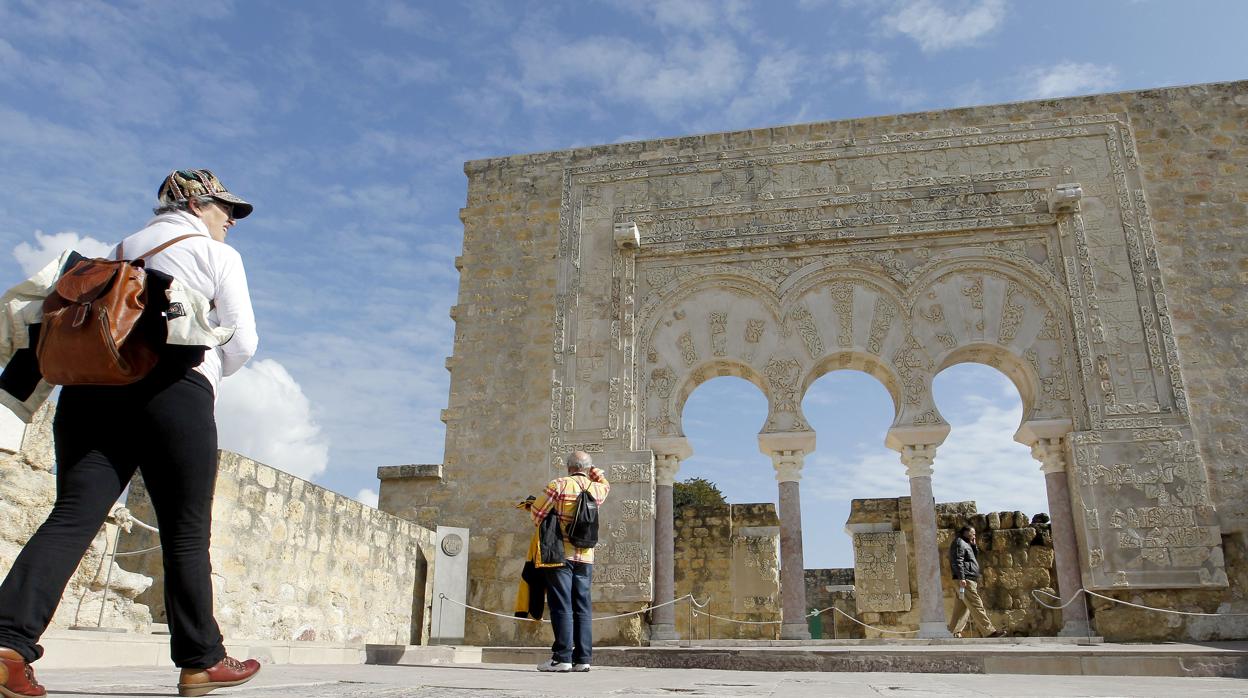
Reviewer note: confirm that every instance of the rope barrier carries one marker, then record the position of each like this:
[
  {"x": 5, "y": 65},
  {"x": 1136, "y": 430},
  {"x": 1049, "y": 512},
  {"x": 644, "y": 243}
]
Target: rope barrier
[
  {"x": 1088, "y": 592},
  {"x": 878, "y": 630},
  {"x": 138, "y": 552},
  {"x": 693, "y": 601}
]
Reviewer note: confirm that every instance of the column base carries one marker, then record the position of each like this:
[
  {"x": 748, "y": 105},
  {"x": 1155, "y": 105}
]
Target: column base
[
  {"x": 794, "y": 631},
  {"x": 663, "y": 631},
  {"x": 933, "y": 630},
  {"x": 1076, "y": 628}
]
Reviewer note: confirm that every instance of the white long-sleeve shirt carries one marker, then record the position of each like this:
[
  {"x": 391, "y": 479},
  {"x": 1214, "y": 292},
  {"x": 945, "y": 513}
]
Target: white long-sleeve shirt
[{"x": 214, "y": 269}]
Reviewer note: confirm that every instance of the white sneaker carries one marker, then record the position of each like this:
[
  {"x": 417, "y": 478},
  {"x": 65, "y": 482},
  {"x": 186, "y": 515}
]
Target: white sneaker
[
  {"x": 552, "y": 665},
  {"x": 580, "y": 667}
]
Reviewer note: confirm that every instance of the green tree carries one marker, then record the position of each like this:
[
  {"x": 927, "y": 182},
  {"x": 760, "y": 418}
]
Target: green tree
[{"x": 696, "y": 491}]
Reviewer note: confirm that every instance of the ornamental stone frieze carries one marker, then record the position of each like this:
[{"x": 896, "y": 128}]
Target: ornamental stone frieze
[{"x": 1029, "y": 250}]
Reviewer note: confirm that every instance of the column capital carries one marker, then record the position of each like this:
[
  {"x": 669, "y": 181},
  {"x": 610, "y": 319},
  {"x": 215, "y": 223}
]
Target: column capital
[
  {"x": 1047, "y": 439},
  {"x": 1031, "y": 431},
  {"x": 669, "y": 451},
  {"x": 788, "y": 465},
  {"x": 671, "y": 446},
  {"x": 787, "y": 451},
  {"x": 666, "y": 466},
  {"x": 929, "y": 435},
  {"x": 918, "y": 459},
  {"x": 1051, "y": 453}
]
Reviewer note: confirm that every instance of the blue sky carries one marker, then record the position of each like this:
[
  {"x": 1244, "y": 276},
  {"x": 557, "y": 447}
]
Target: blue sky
[{"x": 347, "y": 124}]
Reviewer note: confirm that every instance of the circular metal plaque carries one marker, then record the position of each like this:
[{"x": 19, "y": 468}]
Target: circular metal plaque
[{"x": 453, "y": 544}]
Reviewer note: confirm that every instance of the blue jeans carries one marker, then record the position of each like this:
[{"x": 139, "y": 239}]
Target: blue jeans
[{"x": 571, "y": 612}]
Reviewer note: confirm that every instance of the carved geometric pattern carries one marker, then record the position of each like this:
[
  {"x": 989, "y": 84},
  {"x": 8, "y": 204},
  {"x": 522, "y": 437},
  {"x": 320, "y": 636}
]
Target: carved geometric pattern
[
  {"x": 881, "y": 321},
  {"x": 810, "y": 334}
]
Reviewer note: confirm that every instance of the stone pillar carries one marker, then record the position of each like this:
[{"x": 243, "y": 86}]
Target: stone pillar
[
  {"x": 1047, "y": 439},
  {"x": 668, "y": 453},
  {"x": 787, "y": 452},
  {"x": 918, "y": 450}
]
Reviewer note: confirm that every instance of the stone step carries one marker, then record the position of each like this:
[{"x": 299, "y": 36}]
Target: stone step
[
  {"x": 70, "y": 649},
  {"x": 418, "y": 655},
  {"x": 967, "y": 657},
  {"x": 890, "y": 642}
]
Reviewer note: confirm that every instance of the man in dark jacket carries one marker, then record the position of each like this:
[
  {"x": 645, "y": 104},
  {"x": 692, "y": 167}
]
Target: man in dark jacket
[{"x": 964, "y": 565}]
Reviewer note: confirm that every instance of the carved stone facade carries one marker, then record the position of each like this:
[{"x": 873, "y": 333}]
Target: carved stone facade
[{"x": 1080, "y": 246}]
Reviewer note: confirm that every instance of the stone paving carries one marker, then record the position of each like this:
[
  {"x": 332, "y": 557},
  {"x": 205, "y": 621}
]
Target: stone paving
[{"x": 513, "y": 681}]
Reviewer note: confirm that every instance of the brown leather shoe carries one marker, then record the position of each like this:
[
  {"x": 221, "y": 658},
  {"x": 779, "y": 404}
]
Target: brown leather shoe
[
  {"x": 17, "y": 678},
  {"x": 225, "y": 673}
]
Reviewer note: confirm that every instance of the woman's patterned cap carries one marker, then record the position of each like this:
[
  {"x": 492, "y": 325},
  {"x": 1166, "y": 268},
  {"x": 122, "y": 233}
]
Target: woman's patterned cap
[{"x": 182, "y": 185}]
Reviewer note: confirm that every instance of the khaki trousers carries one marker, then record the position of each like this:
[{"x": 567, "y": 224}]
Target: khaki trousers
[{"x": 971, "y": 607}]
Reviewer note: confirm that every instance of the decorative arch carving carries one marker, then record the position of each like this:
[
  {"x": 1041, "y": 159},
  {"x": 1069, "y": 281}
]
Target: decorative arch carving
[{"x": 1035, "y": 253}]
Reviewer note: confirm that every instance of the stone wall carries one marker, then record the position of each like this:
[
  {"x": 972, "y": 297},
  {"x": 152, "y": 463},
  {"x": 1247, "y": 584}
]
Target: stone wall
[
  {"x": 294, "y": 561},
  {"x": 832, "y": 589},
  {"x": 728, "y": 556},
  {"x": 545, "y": 286},
  {"x": 1016, "y": 558},
  {"x": 27, "y": 492}
]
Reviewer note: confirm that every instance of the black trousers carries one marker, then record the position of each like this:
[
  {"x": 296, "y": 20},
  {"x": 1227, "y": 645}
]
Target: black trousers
[{"x": 164, "y": 427}]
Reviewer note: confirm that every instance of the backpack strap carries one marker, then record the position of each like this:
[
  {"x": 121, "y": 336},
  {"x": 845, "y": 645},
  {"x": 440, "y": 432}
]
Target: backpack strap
[{"x": 160, "y": 248}]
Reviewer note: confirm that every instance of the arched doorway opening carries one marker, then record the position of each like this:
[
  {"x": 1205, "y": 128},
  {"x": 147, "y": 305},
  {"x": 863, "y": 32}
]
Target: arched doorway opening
[
  {"x": 726, "y": 550},
  {"x": 987, "y": 480}
]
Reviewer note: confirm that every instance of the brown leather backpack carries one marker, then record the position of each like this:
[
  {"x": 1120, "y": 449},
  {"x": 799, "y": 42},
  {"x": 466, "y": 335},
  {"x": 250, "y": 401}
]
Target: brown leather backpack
[{"x": 90, "y": 333}]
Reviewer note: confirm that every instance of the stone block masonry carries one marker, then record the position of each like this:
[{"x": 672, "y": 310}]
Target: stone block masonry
[
  {"x": 832, "y": 588},
  {"x": 1016, "y": 558},
  {"x": 1090, "y": 247},
  {"x": 27, "y": 491},
  {"x": 729, "y": 554},
  {"x": 294, "y": 561}
]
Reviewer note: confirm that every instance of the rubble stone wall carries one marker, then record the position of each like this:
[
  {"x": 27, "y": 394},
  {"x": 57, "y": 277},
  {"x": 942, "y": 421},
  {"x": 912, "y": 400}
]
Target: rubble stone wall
[
  {"x": 833, "y": 589},
  {"x": 27, "y": 492},
  {"x": 1016, "y": 558},
  {"x": 729, "y": 554},
  {"x": 294, "y": 561}
]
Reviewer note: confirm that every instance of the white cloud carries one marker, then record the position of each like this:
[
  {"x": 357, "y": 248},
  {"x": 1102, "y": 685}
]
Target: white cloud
[
  {"x": 402, "y": 15},
  {"x": 47, "y": 248},
  {"x": 876, "y": 76},
  {"x": 691, "y": 15},
  {"x": 685, "y": 75},
  {"x": 979, "y": 461},
  {"x": 1068, "y": 78},
  {"x": 682, "y": 13},
  {"x": 403, "y": 69},
  {"x": 775, "y": 77},
  {"x": 263, "y": 414},
  {"x": 936, "y": 26},
  {"x": 367, "y": 497}
]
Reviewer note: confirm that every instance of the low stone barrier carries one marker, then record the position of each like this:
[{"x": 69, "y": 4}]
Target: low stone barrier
[{"x": 295, "y": 561}]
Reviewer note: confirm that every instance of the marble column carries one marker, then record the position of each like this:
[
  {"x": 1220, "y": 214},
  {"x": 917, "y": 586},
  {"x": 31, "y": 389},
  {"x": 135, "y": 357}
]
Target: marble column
[
  {"x": 668, "y": 453},
  {"x": 1047, "y": 439},
  {"x": 918, "y": 451},
  {"x": 788, "y": 452}
]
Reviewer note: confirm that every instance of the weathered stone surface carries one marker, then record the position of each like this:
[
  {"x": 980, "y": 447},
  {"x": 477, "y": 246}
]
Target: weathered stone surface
[
  {"x": 27, "y": 492},
  {"x": 729, "y": 554},
  {"x": 832, "y": 589},
  {"x": 292, "y": 560},
  {"x": 1014, "y": 563},
  {"x": 1079, "y": 245}
]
